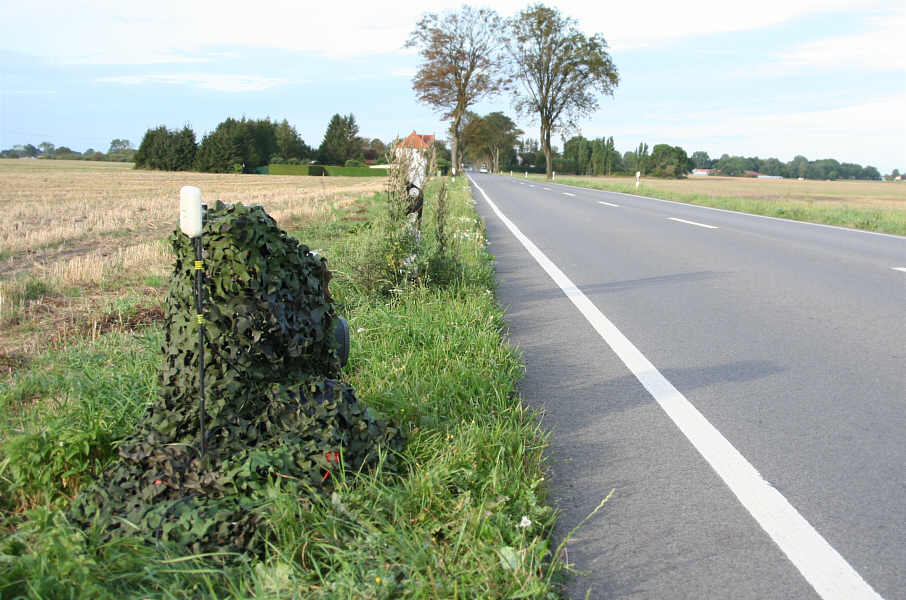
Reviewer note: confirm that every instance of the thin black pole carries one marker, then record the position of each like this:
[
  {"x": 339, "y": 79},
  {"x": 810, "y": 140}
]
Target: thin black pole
[{"x": 199, "y": 275}]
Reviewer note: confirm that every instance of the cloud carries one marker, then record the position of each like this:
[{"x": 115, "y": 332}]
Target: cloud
[
  {"x": 115, "y": 32},
  {"x": 867, "y": 133},
  {"x": 205, "y": 81},
  {"x": 883, "y": 48}
]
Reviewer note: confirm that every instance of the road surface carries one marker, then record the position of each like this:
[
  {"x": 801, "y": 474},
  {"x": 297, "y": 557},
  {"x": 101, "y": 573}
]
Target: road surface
[{"x": 739, "y": 381}]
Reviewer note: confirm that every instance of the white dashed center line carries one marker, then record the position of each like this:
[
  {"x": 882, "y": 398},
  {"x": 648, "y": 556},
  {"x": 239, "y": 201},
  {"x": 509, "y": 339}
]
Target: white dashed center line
[
  {"x": 693, "y": 223},
  {"x": 903, "y": 269},
  {"x": 568, "y": 194},
  {"x": 608, "y": 204}
]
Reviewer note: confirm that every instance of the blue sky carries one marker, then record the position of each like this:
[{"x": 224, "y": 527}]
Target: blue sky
[{"x": 822, "y": 78}]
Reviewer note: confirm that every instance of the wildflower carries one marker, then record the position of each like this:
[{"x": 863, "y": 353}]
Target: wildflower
[
  {"x": 360, "y": 330},
  {"x": 377, "y": 580},
  {"x": 525, "y": 523}
]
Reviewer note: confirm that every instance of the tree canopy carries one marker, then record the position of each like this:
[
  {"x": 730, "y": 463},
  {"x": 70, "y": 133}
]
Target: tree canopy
[
  {"x": 489, "y": 137},
  {"x": 560, "y": 71},
  {"x": 461, "y": 63}
]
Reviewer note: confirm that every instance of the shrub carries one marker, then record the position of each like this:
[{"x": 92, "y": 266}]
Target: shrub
[{"x": 353, "y": 162}]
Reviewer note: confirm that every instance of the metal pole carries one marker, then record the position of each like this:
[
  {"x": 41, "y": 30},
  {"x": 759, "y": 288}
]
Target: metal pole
[{"x": 199, "y": 276}]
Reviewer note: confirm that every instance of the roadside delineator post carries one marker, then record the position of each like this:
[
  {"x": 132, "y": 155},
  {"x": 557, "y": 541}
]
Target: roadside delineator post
[{"x": 191, "y": 220}]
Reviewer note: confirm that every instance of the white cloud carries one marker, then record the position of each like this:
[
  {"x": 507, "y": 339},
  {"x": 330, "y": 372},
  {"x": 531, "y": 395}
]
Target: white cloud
[
  {"x": 882, "y": 48},
  {"x": 115, "y": 32},
  {"x": 205, "y": 81},
  {"x": 868, "y": 133}
]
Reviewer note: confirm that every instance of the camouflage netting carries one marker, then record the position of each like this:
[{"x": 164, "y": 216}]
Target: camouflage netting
[{"x": 273, "y": 408}]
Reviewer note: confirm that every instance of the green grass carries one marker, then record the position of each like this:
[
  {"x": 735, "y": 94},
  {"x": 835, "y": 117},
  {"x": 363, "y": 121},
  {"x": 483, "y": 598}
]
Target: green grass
[
  {"x": 869, "y": 219},
  {"x": 443, "y": 525}
]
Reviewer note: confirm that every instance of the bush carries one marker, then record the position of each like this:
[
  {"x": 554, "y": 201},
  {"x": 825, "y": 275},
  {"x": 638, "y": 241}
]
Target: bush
[
  {"x": 353, "y": 162},
  {"x": 320, "y": 170},
  {"x": 288, "y": 170}
]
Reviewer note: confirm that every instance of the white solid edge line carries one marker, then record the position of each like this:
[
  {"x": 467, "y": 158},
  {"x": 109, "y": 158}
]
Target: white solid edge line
[
  {"x": 739, "y": 212},
  {"x": 608, "y": 204},
  {"x": 568, "y": 194},
  {"x": 692, "y": 223},
  {"x": 819, "y": 563},
  {"x": 903, "y": 269}
]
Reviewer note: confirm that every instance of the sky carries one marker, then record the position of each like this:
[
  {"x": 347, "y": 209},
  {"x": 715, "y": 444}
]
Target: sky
[{"x": 776, "y": 78}]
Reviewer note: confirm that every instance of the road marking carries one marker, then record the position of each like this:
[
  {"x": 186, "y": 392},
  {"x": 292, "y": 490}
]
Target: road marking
[
  {"x": 819, "y": 563},
  {"x": 548, "y": 189},
  {"x": 608, "y": 204},
  {"x": 899, "y": 269},
  {"x": 693, "y": 223},
  {"x": 530, "y": 185},
  {"x": 568, "y": 194}
]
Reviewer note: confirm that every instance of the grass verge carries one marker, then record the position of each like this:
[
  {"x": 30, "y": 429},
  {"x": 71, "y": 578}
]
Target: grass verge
[
  {"x": 840, "y": 214},
  {"x": 465, "y": 516}
]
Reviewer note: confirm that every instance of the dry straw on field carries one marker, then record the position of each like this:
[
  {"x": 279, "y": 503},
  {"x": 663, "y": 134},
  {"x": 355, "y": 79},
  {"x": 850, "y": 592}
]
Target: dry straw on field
[{"x": 94, "y": 226}]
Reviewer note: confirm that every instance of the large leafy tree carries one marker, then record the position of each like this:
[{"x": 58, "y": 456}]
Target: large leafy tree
[
  {"x": 462, "y": 62},
  {"x": 670, "y": 161},
  {"x": 560, "y": 71}
]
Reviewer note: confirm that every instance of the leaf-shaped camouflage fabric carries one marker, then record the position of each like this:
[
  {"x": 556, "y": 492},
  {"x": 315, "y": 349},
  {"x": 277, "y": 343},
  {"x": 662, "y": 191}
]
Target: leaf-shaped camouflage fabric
[{"x": 274, "y": 409}]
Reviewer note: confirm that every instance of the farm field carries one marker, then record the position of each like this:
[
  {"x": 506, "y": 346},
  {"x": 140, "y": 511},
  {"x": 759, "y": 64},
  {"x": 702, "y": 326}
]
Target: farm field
[
  {"x": 80, "y": 239},
  {"x": 871, "y": 205},
  {"x": 464, "y": 514}
]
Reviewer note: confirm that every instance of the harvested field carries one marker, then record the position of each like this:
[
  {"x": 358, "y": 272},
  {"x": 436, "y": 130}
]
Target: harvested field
[{"x": 76, "y": 237}]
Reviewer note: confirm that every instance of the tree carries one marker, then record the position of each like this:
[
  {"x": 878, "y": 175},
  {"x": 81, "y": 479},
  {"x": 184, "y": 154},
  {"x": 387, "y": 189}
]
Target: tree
[
  {"x": 701, "y": 160},
  {"x": 340, "y": 140},
  {"x": 559, "y": 70},
  {"x": 870, "y": 172},
  {"x": 669, "y": 161},
  {"x": 289, "y": 143},
  {"x": 490, "y": 136},
  {"x": 230, "y": 146},
  {"x": 462, "y": 62},
  {"x": 641, "y": 158},
  {"x": 166, "y": 150},
  {"x": 47, "y": 149},
  {"x": 119, "y": 145}
]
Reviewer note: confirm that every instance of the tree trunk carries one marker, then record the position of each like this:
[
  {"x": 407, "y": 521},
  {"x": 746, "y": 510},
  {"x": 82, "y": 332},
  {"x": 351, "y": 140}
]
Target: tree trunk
[
  {"x": 454, "y": 154},
  {"x": 546, "y": 148}
]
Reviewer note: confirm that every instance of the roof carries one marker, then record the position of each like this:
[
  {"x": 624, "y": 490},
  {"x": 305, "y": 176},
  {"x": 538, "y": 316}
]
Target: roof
[{"x": 417, "y": 141}]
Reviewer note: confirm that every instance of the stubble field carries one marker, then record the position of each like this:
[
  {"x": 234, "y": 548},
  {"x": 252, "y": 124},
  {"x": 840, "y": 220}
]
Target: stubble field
[{"x": 83, "y": 242}]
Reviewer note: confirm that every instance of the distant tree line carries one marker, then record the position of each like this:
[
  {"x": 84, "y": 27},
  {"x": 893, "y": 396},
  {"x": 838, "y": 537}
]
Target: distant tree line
[
  {"x": 582, "y": 156},
  {"x": 120, "y": 150},
  {"x": 800, "y": 166},
  {"x": 242, "y": 146}
]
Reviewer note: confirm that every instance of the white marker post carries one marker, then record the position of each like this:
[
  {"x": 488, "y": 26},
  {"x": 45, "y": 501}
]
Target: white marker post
[
  {"x": 638, "y": 175},
  {"x": 191, "y": 220}
]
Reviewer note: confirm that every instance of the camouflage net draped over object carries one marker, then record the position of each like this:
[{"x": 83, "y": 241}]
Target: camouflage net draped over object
[{"x": 274, "y": 410}]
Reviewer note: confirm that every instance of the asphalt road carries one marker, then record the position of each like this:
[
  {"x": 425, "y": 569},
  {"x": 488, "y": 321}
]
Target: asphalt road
[{"x": 788, "y": 338}]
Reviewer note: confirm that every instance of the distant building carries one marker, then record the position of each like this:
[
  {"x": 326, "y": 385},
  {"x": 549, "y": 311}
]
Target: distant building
[
  {"x": 762, "y": 176},
  {"x": 417, "y": 141},
  {"x": 701, "y": 172}
]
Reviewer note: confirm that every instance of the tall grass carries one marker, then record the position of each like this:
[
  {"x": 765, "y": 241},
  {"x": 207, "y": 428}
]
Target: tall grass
[{"x": 464, "y": 517}]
